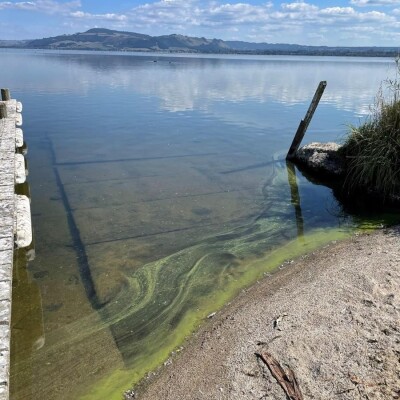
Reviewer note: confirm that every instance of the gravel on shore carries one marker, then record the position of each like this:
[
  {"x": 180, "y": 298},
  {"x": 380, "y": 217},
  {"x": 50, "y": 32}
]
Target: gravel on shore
[{"x": 333, "y": 317}]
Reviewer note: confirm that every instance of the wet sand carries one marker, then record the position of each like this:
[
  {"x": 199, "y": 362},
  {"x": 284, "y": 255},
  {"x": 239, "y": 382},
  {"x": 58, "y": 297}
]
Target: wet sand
[{"x": 331, "y": 316}]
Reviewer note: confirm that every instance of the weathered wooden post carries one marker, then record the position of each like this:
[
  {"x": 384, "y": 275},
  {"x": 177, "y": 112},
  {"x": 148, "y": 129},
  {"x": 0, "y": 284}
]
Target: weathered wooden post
[
  {"x": 301, "y": 130},
  {"x": 3, "y": 110},
  {"x": 5, "y": 94}
]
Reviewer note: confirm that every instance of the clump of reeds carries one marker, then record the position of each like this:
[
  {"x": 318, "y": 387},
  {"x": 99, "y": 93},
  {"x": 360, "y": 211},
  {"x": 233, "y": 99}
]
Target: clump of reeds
[{"x": 372, "y": 150}]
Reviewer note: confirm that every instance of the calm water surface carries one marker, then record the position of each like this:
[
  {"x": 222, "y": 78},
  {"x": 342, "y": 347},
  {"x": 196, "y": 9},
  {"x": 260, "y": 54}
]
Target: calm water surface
[{"x": 158, "y": 192}]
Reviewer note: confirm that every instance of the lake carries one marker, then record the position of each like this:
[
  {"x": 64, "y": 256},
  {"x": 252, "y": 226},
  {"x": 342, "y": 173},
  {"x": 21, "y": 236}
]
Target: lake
[{"x": 159, "y": 191}]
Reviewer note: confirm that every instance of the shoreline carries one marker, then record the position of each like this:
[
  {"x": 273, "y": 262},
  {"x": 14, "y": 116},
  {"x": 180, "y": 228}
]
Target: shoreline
[{"x": 332, "y": 316}]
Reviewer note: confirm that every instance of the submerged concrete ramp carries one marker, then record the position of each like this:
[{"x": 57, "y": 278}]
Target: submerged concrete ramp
[{"x": 15, "y": 220}]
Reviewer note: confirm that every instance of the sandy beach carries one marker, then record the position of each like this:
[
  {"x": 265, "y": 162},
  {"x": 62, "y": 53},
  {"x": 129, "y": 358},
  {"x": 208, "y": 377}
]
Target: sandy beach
[{"x": 332, "y": 317}]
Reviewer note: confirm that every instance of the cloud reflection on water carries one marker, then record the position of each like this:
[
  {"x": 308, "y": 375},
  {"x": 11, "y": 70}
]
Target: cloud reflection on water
[{"x": 191, "y": 83}]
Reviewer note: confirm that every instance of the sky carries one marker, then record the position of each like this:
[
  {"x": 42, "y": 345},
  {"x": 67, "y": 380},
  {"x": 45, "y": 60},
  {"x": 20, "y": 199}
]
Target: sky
[{"x": 331, "y": 23}]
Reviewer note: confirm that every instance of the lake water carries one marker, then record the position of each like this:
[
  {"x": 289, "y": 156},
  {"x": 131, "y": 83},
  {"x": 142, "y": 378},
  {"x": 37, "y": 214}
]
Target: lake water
[{"x": 158, "y": 192}]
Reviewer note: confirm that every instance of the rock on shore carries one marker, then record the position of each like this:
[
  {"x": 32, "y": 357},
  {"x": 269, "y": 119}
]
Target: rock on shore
[{"x": 321, "y": 158}]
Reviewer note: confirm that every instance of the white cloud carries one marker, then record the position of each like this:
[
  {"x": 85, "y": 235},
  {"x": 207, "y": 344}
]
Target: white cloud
[
  {"x": 106, "y": 17},
  {"x": 239, "y": 13},
  {"x": 213, "y": 14},
  {"x": 23, "y": 5},
  {"x": 178, "y": 13},
  {"x": 46, "y": 6},
  {"x": 165, "y": 12},
  {"x": 376, "y": 16},
  {"x": 299, "y": 7},
  {"x": 298, "y": 21},
  {"x": 338, "y": 11},
  {"x": 364, "y": 3}
]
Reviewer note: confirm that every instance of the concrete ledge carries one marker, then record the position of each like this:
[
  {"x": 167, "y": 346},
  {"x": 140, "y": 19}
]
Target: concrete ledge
[
  {"x": 18, "y": 120},
  {"x": 15, "y": 225},
  {"x": 23, "y": 223},
  {"x": 19, "y": 137},
  {"x": 20, "y": 173}
]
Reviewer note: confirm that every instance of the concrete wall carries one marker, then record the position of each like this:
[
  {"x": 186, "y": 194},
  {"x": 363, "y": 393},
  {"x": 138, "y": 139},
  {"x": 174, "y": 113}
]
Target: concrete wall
[{"x": 15, "y": 225}]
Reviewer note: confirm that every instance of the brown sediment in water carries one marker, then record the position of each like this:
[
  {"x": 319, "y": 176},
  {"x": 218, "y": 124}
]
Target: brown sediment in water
[{"x": 331, "y": 316}]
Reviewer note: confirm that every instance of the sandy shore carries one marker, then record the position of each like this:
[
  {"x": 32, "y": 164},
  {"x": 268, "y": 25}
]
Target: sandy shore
[{"x": 333, "y": 317}]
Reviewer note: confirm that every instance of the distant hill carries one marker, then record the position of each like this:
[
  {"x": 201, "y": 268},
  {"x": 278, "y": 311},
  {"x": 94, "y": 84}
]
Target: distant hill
[{"x": 107, "y": 39}]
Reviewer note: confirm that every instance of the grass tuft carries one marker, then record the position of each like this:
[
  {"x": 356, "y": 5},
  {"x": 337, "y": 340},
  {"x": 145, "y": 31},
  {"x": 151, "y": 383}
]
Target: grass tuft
[{"x": 372, "y": 150}]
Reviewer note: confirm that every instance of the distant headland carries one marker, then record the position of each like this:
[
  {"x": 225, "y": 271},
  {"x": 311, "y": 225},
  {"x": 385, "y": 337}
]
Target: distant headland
[{"x": 112, "y": 40}]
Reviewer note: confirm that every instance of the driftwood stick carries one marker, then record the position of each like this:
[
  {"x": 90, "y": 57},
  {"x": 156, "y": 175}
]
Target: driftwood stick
[{"x": 287, "y": 380}]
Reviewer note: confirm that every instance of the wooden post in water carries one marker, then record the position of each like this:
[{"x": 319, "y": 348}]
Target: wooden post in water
[
  {"x": 301, "y": 130},
  {"x": 5, "y": 94},
  {"x": 3, "y": 110}
]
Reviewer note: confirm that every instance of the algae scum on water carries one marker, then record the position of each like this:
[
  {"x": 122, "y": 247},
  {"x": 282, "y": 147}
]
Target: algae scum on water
[
  {"x": 144, "y": 312},
  {"x": 150, "y": 218}
]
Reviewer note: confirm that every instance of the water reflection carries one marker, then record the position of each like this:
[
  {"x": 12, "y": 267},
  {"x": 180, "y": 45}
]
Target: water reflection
[
  {"x": 192, "y": 83},
  {"x": 295, "y": 197},
  {"x": 27, "y": 321}
]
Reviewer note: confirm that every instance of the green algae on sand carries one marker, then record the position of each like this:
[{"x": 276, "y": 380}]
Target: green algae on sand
[{"x": 158, "y": 345}]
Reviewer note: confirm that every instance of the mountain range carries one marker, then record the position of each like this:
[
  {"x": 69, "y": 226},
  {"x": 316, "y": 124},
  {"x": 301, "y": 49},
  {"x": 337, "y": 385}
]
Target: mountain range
[{"x": 112, "y": 40}]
